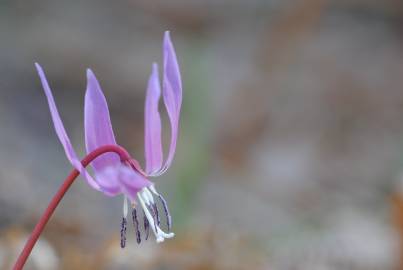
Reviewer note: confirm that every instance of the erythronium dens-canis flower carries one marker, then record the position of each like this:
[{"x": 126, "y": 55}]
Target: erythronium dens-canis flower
[{"x": 114, "y": 176}]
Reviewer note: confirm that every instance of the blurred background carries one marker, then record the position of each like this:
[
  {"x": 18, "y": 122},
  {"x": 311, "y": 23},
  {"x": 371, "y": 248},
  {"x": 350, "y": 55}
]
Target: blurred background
[{"x": 290, "y": 153}]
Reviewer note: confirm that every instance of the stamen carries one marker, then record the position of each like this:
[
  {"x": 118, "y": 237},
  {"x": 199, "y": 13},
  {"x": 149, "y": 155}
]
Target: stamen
[
  {"x": 144, "y": 196},
  {"x": 159, "y": 234},
  {"x": 123, "y": 233},
  {"x": 149, "y": 196},
  {"x": 125, "y": 207},
  {"x": 165, "y": 205},
  {"x": 146, "y": 225},
  {"x": 156, "y": 214},
  {"x": 136, "y": 225},
  {"x": 167, "y": 214}
]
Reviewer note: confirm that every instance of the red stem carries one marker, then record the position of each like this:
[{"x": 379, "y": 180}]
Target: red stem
[{"x": 124, "y": 156}]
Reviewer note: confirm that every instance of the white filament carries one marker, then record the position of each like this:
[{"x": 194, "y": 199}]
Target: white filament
[
  {"x": 125, "y": 207},
  {"x": 144, "y": 199},
  {"x": 152, "y": 188},
  {"x": 149, "y": 195}
]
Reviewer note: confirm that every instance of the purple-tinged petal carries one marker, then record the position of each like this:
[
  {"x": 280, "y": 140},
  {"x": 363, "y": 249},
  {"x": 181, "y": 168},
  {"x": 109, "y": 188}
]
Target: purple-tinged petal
[
  {"x": 120, "y": 179},
  {"x": 132, "y": 182},
  {"x": 108, "y": 180},
  {"x": 172, "y": 92},
  {"x": 171, "y": 70},
  {"x": 152, "y": 123},
  {"x": 97, "y": 124},
  {"x": 61, "y": 132}
]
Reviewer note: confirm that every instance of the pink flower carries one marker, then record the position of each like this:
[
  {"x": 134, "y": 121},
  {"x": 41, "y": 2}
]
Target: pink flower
[{"x": 112, "y": 176}]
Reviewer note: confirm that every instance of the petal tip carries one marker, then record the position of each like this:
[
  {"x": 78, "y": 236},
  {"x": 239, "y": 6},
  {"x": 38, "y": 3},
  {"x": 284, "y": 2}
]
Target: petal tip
[
  {"x": 154, "y": 67},
  {"x": 38, "y": 67},
  {"x": 90, "y": 74},
  {"x": 92, "y": 82},
  {"x": 167, "y": 37}
]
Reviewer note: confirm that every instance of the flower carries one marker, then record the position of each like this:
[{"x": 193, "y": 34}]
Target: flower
[{"x": 111, "y": 175}]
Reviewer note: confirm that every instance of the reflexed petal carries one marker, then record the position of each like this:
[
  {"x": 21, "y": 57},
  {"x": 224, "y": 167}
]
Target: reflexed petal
[
  {"x": 152, "y": 122},
  {"x": 171, "y": 70},
  {"x": 61, "y": 132},
  {"x": 172, "y": 92},
  {"x": 98, "y": 128}
]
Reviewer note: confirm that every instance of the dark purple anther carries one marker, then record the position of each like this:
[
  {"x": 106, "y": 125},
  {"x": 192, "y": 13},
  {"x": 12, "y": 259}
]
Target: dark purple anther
[
  {"x": 146, "y": 226},
  {"x": 136, "y": 225},
  {"x": 168, "y": 216},
  {"x": 123, "y": 233},
  {"x": 156, "y": 214}
]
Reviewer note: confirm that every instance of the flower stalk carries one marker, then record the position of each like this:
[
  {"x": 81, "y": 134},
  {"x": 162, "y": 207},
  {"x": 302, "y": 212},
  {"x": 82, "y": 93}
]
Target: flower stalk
[{"x": 124, "y": 156}]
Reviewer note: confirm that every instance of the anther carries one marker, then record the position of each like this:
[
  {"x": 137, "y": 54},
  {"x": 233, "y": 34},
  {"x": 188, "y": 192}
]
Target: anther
[
  {"x": 136, "y": 225},
  {"x": 150, "y": 213},
  {"x": 146, "y": 226},
  {"x": 156, "y": 214},
  {"x": 167, "y": 214},
  {"x": 123, "y": 233}
]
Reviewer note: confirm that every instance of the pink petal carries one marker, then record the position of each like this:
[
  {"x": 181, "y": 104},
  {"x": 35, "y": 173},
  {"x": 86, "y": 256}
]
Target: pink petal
[
  {"x": 97, "y": 124},
  {"x": 152, "y": 122},
  {"x": 108, "y": 180},
  {"x": 172, "y": 92},
  {"x": 171, "y": 70},
  {"x": 132, "y": 182},
  {"x": 61, "y": 132},
  {"x": 115, "y": 180}
]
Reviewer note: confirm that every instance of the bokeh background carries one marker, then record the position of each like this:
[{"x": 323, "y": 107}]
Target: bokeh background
[{"x": 290, "y": 153}]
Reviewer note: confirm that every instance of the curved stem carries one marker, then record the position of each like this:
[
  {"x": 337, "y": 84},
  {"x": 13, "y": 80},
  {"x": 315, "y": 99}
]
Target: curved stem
[{"x": 124, "y": 156}]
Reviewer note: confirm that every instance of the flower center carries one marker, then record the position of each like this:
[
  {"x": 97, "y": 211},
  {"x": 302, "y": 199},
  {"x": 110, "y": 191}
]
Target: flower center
[{"x": 146, "y": 198}]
